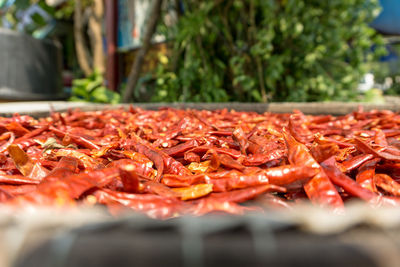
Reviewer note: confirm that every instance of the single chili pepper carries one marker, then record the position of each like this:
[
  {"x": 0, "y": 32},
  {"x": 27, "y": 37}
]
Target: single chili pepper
[
  {"x": 17, "y": 180},
  {"x": 364, "y": 147},
  {"x": 179, "y": 149},
  {"x": 386, "y": 182},
  {"x": 192, "y": 157},
  {"x": 194, "y": 191},
  {"x": 240, "y": 138},
  {"x": 17, "y": 190},
  {"x": 74, "y": 138},
  {"x": 342, "y": 180},
  {"x": 129, "y": 178},
  {"x": 161, "y": 160},
  {"x": 287, "y": 174},
  {"x": 298, "y": 128},
  {"x": 25, "y": 164},
  {"x": 259, "y": 159},
  {"x": 65, "y": 190},
  {"x": 203, "y": 149},
  {"x": 392, "y": 150},
  {"x": 234, "y": 179},
  {"x": 17, "y": 128},
  {"x": 322, "y": 149},
  {"x": 65, "y": 167},
  {"x": 11, "y": 139},
  {"x": 366, "y": 173},
  {"x": 222, "y": 159},
  {"x": 159, "y": 189},
  {"x": 32, "y": 134},
  {"x": 173, "y": 166},
  {"x": 153, "y": 205},
  {"x": 176, "y": 130},
  {"x": 208, "y": 205},
  {"x": 355, "y": 162},
  {"x": 5, "y": 195},
  {"x": 141, "y": 168},
  {"x": 319, "y": 189},
  {"x": 380, "y": 138},
  {"x": 321, "y": 192},
  {"x": 241, "y": 195},
  {"x": 271, "y": 201}
]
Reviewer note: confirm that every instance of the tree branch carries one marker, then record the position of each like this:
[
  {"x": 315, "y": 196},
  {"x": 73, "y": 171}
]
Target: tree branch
[
  {"x": 133, "y": 78},
  {"x": 81, "y": 49},
  {"x": 95, "y": 34}
]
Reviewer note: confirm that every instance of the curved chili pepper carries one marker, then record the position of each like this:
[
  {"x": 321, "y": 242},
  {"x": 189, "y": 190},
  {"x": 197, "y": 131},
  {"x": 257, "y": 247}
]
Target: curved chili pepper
[
  {"x": 366, "y": 173},
  {"x": 321, "y": 191},
  {"x": 240, "y": 138},
  {"x": 179, "y": 149},
  {"x": 342, "y": 180},
  {"x": 76, "y": 139},
  {"x": 11, "y": 139},
  {"x": 354, "y": 162},
  {"x": 364, "y": 147}
]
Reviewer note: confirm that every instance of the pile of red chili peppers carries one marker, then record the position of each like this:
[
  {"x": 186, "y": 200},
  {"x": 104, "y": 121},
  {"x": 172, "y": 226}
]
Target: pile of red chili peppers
[{"x": 172, "y": 162}]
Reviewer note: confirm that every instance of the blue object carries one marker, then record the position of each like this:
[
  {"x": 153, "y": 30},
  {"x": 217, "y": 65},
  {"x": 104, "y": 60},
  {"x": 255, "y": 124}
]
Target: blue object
[{"x": 388, "y": 21}]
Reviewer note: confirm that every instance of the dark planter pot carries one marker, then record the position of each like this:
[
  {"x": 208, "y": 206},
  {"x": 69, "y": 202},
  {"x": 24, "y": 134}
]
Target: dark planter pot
[{"x": 30, "y": 69}]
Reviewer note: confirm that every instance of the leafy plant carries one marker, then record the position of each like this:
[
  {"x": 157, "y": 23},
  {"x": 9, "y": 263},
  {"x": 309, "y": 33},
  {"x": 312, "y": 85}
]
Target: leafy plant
[
  {"x": 276, "y": 50},
  {"x": 91, "y": 89}
]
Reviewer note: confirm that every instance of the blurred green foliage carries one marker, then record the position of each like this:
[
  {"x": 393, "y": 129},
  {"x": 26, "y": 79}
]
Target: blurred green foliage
[
  {"x": 91, "y": 89},
  {"x": 276, "y": 50},
  {"x": 61, "y": 12},
  {"x": 389, "y": 71}
]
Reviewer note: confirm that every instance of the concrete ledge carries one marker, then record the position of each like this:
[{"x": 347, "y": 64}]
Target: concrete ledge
[{"x": 42, "y": 108}]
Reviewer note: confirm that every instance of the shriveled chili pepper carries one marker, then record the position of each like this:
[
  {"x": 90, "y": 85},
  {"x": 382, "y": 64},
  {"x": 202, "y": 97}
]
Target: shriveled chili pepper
[{"x": 25, "y": 164}]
